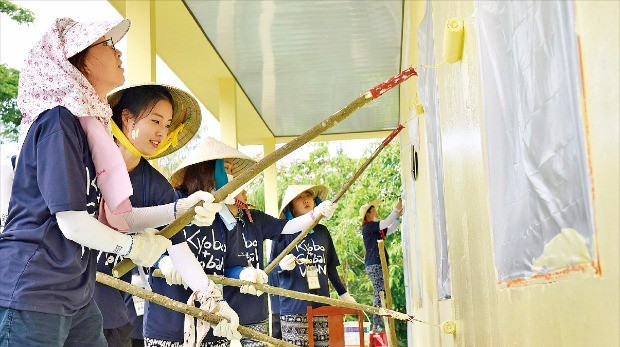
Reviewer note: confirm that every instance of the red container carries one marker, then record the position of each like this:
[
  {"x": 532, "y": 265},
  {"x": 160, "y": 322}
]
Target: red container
[{"x": 378, "y": 339}]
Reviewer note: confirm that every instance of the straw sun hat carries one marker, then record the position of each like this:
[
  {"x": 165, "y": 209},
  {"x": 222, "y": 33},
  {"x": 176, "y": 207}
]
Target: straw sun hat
[
  {"x": 211, "y": 149},
  {"x": 292, "y": 191},
  {"x": 365, "y": 207},
  {"x": 186, "y": 112}
]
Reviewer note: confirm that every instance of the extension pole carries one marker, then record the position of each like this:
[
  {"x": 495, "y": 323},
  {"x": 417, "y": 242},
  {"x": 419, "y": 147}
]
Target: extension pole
[
  {"x": 182, "y": 307},
  {"x": 302, "y": 296},
  {"x": 343, "y": 190},
  {"x": 388, "y": 292}
]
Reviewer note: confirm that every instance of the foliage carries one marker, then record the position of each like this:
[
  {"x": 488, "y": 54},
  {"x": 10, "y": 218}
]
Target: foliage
[
  {"x": 256, "y": 193},
  {"x": 380, "y": 180},
  {"x": 10, "y": 116},
  {"x": 16, "y": 13}
]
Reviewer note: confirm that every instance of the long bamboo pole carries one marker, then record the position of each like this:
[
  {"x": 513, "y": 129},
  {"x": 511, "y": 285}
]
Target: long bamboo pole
[
  {"x": 388, "y": 292},
  {"x": 389, "y": 329},
  {"x": 182, "y": 307},
  {"x": 337, "y": 197},
  {"x": 126, "y": 264},
  {"x": 303, "y": 296}
]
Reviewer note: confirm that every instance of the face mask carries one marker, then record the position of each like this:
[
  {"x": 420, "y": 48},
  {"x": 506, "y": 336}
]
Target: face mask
[{"x": 230, "y": 177}]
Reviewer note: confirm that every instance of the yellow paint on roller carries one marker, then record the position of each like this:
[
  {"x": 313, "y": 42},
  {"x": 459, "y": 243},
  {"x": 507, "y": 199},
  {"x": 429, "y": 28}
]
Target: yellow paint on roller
[
  {"x": 449, "y": 327},
  {"x": 565, "y": 250},
  {"x": 417, "y": 103},
  {"x": 453, "y": 38}
]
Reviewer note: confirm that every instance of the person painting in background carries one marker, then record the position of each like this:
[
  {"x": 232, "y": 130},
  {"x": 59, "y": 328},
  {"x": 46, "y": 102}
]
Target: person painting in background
[
  {"x": 374, "y": 230},
  {"x": 149, "y": 122},
  {"x": 307, "y": 268},
  {"x": 69, "y": 173}
]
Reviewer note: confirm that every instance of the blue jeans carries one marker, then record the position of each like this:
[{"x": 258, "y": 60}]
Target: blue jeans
[{"x": 35, "y": 329}]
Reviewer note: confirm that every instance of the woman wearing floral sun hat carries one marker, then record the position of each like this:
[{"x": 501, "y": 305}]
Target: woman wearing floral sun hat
[
  {"x": 374, "y": 230},
  {"x": 149, "y": 122},
  {"x": 307, "y": 268},
  {"x": 68, "y": 171}
]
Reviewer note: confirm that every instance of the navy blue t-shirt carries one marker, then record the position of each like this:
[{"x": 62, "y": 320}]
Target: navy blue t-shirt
[
  {"x": 40, "y": 269},
  {"x": 372, "y": 234},
  {"x": 274, "y": 280},
  {"x": 318, "y": 247},
  {"x": 150, "y": 188},
  {"x": 245, "y": 242},
  {"x": 209, "y": 246}
]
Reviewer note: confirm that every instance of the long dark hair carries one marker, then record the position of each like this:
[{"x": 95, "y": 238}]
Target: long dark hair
[
  {"x": 79, "y": 60},
  {"x": 139, "y": 100},
  {"x": 200, "y": 176}
]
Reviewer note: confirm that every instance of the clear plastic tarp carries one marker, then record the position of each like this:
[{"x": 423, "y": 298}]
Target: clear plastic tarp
[
  {"x": 539, "y": 183},
  {"x": 427, "y": 89}
]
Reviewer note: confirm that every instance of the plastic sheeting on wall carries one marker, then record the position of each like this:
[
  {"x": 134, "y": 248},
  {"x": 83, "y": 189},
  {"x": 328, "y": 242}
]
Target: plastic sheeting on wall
[
  {"x": 409, "y": 203},
  {"x": 537, "y": 168},
  {"x": 427, "y": 87}
]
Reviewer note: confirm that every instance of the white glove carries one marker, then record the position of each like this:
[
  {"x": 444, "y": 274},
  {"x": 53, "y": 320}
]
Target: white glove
[
  {"x": 170, "y": 273},
  {"x": 205, "y": 214},
  {"x": 326, "y": 208},
  {"x": 147, "y": 247},
  {"x": 252, "y": 275},
  {"x": 347, "y": 297},
  {"x": 227, "y": 327},
  {"x": 288, "y": 262}
]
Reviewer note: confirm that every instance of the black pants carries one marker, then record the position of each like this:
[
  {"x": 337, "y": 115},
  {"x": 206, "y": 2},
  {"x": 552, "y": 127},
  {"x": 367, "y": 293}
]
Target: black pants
[
  {"x": 119, "y": 337},
  {"x": 275, "y": 326}
]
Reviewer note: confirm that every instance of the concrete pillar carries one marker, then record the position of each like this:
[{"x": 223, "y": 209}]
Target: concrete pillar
[
  {"x": 228, "y": 111},
  {"x": 270, "y": 181},
  {"x": 141, "y": 48}
]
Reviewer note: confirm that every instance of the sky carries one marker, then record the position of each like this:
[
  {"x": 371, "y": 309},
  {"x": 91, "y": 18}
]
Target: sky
[{"x": 16, "y": 40}]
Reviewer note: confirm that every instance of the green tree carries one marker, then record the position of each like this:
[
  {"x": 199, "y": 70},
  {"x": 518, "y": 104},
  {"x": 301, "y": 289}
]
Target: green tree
[
  {"x": 380, "y": 180},
  {"x": 10, "y": 117},
  {"x": 16, "y": 13}
]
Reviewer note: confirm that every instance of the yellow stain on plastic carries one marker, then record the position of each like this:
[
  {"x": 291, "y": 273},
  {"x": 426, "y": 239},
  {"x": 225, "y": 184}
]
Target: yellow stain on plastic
[
  {"x": 453, "y": 38},
  {"x": 566, "y": 249},
  {"x": 419, "y": 108}
]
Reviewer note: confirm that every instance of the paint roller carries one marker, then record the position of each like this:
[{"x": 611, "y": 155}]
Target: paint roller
[{"x": 453, "y": 38}]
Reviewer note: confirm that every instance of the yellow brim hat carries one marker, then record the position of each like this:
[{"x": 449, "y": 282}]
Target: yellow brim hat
[
  {"x": 365, "y": 207},
  {"x": 186, "y": 117},
  {"x": 211, "y": 149},
  {"x": 293, "y": 191}
]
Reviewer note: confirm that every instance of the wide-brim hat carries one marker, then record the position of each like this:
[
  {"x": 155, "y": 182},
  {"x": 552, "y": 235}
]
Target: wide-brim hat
[
  {"x": 78, "y": 36},
  {"x": 211, "y": 149},
  {"x": 365, "y": 207},
  {"x": 293, "y": 191},
  {"x": 185, "y": 111}
]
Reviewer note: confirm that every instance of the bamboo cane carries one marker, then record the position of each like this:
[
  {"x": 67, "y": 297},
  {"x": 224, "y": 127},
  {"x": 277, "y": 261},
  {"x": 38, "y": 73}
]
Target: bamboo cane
[
  {"x": 126, "y": 264},
  {"x": 389, "y": 329},
  {"x": 302, "y": 296},
  {"x": 343, "y": 190},
  {"x": 182, "y": 307},
  {"x": 388, "y": 291}
]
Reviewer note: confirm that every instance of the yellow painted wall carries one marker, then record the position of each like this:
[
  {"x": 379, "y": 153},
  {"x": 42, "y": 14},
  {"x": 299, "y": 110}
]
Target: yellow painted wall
[{"x": 580, "y": 310}]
